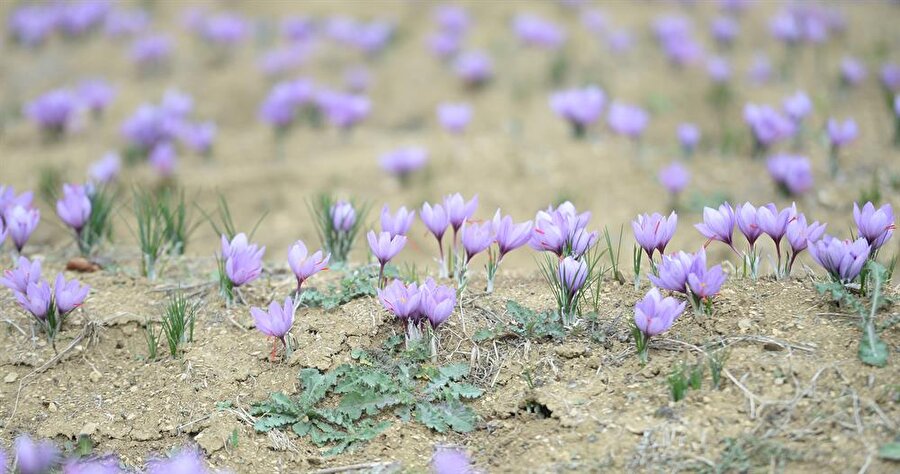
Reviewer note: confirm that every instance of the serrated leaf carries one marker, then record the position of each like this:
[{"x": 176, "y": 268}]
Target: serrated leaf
[
  {"x": 301, "y": 428},
  {"x": 465, "y": 390},
  {"x": 890, "y": 451},
  {"x": 873, "y": 354},
  {"x": 315, "y": 386},
  {"x": 460, "y": 417},
  {"x": 486, "y": 334},
  {"x": 283, "y": 402},
  {"x": 272, "y": 421},
  {"x": 354, "y": 404},
  {"x": 455, "y": 371},
  {"x": 430, "y": 416}
]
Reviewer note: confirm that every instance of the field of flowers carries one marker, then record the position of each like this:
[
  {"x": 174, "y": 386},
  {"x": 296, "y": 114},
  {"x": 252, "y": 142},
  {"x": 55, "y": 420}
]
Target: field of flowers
[{"x": 450, "y": 237}]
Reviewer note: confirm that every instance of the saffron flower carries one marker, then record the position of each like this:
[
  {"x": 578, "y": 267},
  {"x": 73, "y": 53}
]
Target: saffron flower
[
  {"x": 718, "y": 224},
  {"x": 304, "y": 265},
  {"x": 397, "y": 224},
  {"x": 555, "y": 229},
  {"x": 674, "y": 178},
  {"x": 53, "y": 112},
  {"x": 842, "y": 259},
  {"x": 792, "y": 174},
  {"x": 653, "y": 315},
  {"x": 436, "y": 302},
  {"x": 774, "y": 224},
  {"x": 20, "y": 223},
  {"x": 674, "y": 269},
  {"x": 163, "y": 159},
  {"x": 653, "y": 232},
  {"x": 572, "y": 275},
  {"x": 37, "y": 300},
  {"x": 341, "y": 110},
  {"x": 724, "y": 30},
  {"x": 797, "y": 106},
  {"x": 68, "y": 295},
  {"x": 384, "y": 247},
  {"x": 841, "y": 133},
  {"x": 343, "y": 216},
  {"x": 402, "y": 300},
  {"x": 276, "y": 322},
  {"x": 476, "y": 238},
  {"x": 508, "y": 237},
  {"x": 689, "y": 138},
  {"x": 452, "y": 19},
  {"x": 706, "y": 283},
  {"x": 853, "y": 72},
  {"x": 748, "y": 224},
  {"x": 874, "y": 225},
  {"x": 243, "y": 261},
  {"x": 628, "y": 120},
  {"x": 199, "y": 137},
  {"x": 767, "y": 126},
  {"x": 454, "y": 117},
  {"x": 450, "y": 461},
  {"x": 92, "y": 465},
  {"x": 74, "y": 209},
  {"x": 799, "y": 234},
  {"x": 25, "y": 273},
  {"x": 458, "y": 210},
  {"x": 436, "y": 220},
  {"x": 151, "y": 53},
  {"x": 96, "y": 95},
  {"x": 760, "y": 71},
  {"x": 403, "y": 161},
  {"x": 579, "y": 107},
  {"x": 186, "y": 460},
  {"x": 537, "y": 32},
  {"x": 474, "y": 68},
  {"x": 35, "y": 457},
  {"x": 106, "y": 169}
]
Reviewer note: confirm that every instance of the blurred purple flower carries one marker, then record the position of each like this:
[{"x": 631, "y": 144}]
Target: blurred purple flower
[
  {"x": 853, "y": 71},
  {"x": 689, "y": 137},
  {"x": 451, "y": 19},
  {"x": 199, "y": 137},
  {"x": 653, "y": 232},
  {"x": 628, "y": 120},
  {"x": 397, "y": 224},
  {"x": 281, "y": 105},
  {"x": 718, "y": 69},
  {"x": 25, "y": 273},
  {"x": 298, "y": 28},
  {"x": 654, "y": 315},
  {"x": 475, "y": 68},
  {"x": 282, "y": 60},
  {"x": 121, "y": 22},
  {"x": 74, "y": 209},
  {"x": 151, "y": 51},
  {"x": 674, "y": 178},
  {"x": 454, "y": 117},
  {"x": 450, "y": 461},
  {"x": 403, "y": 161},
  {"x": 79, "y": 18},
  {"x": 176, "y": 103},
  {"x": 535, "y": 31},
  {"x": 243, "y": 261},
  {"x": 797, "y": 106},
  {"x": 54, "y": 111},
  {"x": 20, "y": 223},
  {"x": 149, "y": 126},
  {"x": 842, "y": 259},
  {"x": 93, "y": 465},
  {"x": 841, "y": 133},
  {"x": 594, "y": 20},
  {"x": 96, "y": 95},
  {"x": 760, "y": 71},
  {"x": 724, "y": 30},
  {"x": 785, "y": 27},
  {"x": 35, "y": 457},
  {"x": 767, "y": 125},
  {"x": 187, "y": 460},
  {"x": 718, "y": 224},
  {"x": 444, "y": 45},
  {"x": 792, "y": 174},
  {"x": 304, "y": 265},
  {"x": 580, "y": 107},
  {"x": 162, "y": 159},
  {"x": 874, "y": 225},
  {"x": 31, "y": 24},
  {"x": 890, "y": 77},
  {"x": 225, "y": 29},
  {"x": 343, "y": 110},
  {"x": 343, "y": 216}
]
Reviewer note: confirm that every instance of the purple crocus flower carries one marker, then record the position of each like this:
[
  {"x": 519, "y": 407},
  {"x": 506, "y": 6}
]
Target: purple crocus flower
[
  {"x": 343, "y": 110},
  {"x": 225, "y": 29},
  {"x": 792, "y": 174},
  {"x": 20, "y": 223},
  {"x": 890, "y": 77},
  {"x": 841, "y": 133},
  {"x": 436, "y": 302},
  {"x": 654, "y": 315},
  {"x": 767, "y": 125},
  {"x": 298, "y": 29},
  {"x": 399, "y": 223},
  {"x": 582, "y": 241},
  {"x": 150, "y": 52},
  {"x": 797, "y": 106},
  {"x": 199, "y": 137},
  {"x": 36, "y": 299},
  {"x": 187, "y": 460},
  {"x": 653, "y": 232},
  {"x": 874, "y": 225},
  {"x": 450, "y": 461},
  {"x": 163, "y": 160},
  {"x": 724, "y": 30},
  {"x": 535, "y": 31},
  {"x": 689, "y": 137},
  {"x": 93, "y": 465},
  {"x": 403, "y": 161},
  {"x": 96, "y": 95},
  {"x": 853, "y": 71},
  {"x": 458, "y": 210},
  {"x": 126, "y": 22},
  {"x": 78, "y": 18},
  {"x": 628, "y": 120},
  {"x": 580, "y": 107},
  {"x": 760, "y": 71},
  {"x": 385, "y": 246},
  {"x": 555, "y": 229},
  {"x": 454, "y": 117},
  {"x": 773, "y": 222},
  {"x": 304, "y": 265},
  {"x": 176, "y": 103},
  {"x": 747, "y": 221},
  {"x": 25, "y": 273},
  {"x": 31, "y": 24},
  {"x": 435, "y": 219},
  {"x": 706, "y": 283},
  {"x": 106, "y": 169},
  {"x": 674, "y": 269},
  {"x": 842, "y": 259},
  {"x": 277, "y": 321},
  {"x": 444, "y": 45},
  {"x": 282, "y": 60},
  {"x": 74, "y": 209},
  {"x": 785, "y": 27},
  {"x": 451, "y": 19},
  {"x": 674, "y": 178},
  {"x": 476, "y": 238},
  {"x": 243, "y": 261},
  {"x": 8, "y": 199},
  {"x": 343, "y": 216},
  {"x": 280, "y": 107},
  {"x": 35, "y": 457},
  {"x": 572, "y": 275},
  {"x": 54, "y": 111},
  {"x": 149, "y": 126},
  {"x": 474, "y": 68},
  {"x": 68, "y": 295},
  {"x": 718, "y": 69},
  {"x": 510, "y": 236},
  {"x": 404, "y": 301},
  {"x": 718, "y": 224},
  {"x": 800, "y": 234},
  {"x": 357, "y": 79}
]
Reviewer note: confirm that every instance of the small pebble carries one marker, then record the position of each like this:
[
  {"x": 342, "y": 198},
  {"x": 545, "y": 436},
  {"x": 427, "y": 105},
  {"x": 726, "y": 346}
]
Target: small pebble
[{"x": 11, "y": 377}]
